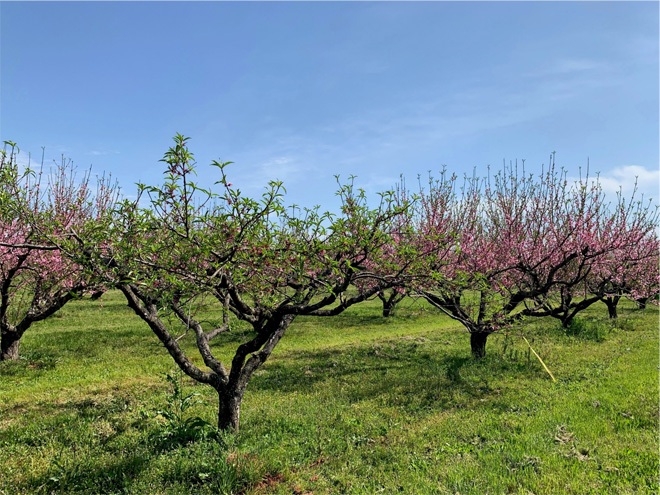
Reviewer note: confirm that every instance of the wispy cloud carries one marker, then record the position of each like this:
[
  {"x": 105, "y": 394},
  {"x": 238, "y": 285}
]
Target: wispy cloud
[
  {"x": 254, "y": 170},
  {"x": 28, "y": 160},
  {"x": 626, "y": 179},
  {"x": 378, "y": 183},
  {"x": 381, "y": 141},
  {"x": 283, "y": 168},
  {"x": 102, "y": 152},
  {"x": 568, "y": 66}
]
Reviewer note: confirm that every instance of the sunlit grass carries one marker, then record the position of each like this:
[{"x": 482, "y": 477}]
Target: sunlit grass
[{"x": 351, "y": 404}]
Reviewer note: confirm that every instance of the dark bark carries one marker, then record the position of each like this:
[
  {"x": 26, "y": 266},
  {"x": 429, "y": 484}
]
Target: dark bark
[
  {"x": 9, "y": 343},
  {"x": 390, "y": 302},
  {"x": 230, "y": 396},
  {"x": 611, "y": 310},
  {"x": 248, "y": 358},
  {"x": 479, "y": 330},
  {"x": 611, "y": 302},
  {"x": 229, "y": 410},
  {"x": 43, "y": 305},
  {"x": 243, "y": 367},
  {"x": 565, "y": 311},
  {"x": 478, "y": 344},
  {"x": 147, "y": 310},
  {"x": 97, "y": 295},
  {"x": 641, "y": 303}
]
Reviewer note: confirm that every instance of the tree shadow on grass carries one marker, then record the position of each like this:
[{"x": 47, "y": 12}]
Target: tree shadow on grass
[
  {"x": 121, "y": 466},
  {"x": 29, "y": 364},
  {"x": 201, "y": 467},
  {"x": 340, "y": 322},
  {"x": 349, "y": 319},
  {"x": 411, "y": 375},
  {"x": 89, "y": 475},
  {"x": 454, "y": 365}
]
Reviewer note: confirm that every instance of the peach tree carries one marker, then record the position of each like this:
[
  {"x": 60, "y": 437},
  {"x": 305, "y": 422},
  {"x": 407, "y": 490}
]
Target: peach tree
[
  {"x": 179, "y": 246},
  {"x": 36, "y": 277}
]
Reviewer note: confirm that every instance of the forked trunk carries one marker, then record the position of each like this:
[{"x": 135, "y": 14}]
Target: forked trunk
[
  {"x": 9, "y": 344},
  {"x": 566, "y": 320},
  {"x": 478, "y": 344},
  {"x": 390, "y": 302},
  {"x": 611, "y": 303}
]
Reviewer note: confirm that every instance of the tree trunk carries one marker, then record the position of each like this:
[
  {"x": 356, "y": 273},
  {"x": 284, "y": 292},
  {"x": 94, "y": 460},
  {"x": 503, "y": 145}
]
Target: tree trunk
[
  {"x": 97, "y": 295},
  {"x": 612, "y": 303},
  {"x": 611, "y": 309},
  {"x": 478, "y": 344},
  {"x": 229, "y": 410},
  {"x": 641, "y": 303},
  {"x": 9, "y": 344},
  {"x": 390, "y": 302}
]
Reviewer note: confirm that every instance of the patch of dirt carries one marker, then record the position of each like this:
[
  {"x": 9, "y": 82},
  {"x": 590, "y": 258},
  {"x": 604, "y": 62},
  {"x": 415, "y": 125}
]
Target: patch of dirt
[
  {"x": 526, "y": 462},
  {"x": 563, "y": 435},
  {"x": 267, "y": 483},
  {"x": 579, "y": 454}
]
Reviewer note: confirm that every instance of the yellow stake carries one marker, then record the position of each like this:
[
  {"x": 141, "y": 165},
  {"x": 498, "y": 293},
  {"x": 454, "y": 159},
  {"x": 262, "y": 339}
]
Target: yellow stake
[{"x": 539, "y": 358}]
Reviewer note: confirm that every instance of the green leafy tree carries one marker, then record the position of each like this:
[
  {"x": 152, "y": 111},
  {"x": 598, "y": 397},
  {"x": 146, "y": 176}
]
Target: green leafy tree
[{"x": 264, "y": 265}]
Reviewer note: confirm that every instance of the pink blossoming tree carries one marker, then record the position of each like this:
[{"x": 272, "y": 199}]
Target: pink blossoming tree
[
  {"x": 36, "y": 280},
  {"x": 520, "y": 241},
  {"x": 621, "y": 261}
]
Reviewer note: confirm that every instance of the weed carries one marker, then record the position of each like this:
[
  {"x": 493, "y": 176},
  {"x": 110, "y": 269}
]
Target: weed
[{"x": 178, "y": 427}]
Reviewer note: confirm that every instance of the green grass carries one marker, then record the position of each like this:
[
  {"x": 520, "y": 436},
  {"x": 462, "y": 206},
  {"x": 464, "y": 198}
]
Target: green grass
[{"x": 351, "y": 404}]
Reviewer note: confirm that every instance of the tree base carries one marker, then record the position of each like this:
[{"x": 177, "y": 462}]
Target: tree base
[
  {"x": 229, "y": 413},
  {"x": 478, "y": 344},
  {"x": 9, "y": 348}
]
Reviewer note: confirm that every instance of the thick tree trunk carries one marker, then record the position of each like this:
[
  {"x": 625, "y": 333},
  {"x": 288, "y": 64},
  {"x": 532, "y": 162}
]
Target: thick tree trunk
[
  {"x": 611, "y": 309},
  {"x": 390, "y": 302},
  {"x": 229, "y": 411},
  {"x": 611, "y": 303},
  {"x": 9, "y": 344},
  {"x": 566, "y": 320},
  {"x": 478, "y": 344}
]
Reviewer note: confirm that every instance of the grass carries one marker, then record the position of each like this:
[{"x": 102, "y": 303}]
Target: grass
[{"x": 355, "y": 404}]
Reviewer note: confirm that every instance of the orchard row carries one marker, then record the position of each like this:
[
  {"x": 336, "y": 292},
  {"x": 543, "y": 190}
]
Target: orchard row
[{"x": 488, "y": 252}]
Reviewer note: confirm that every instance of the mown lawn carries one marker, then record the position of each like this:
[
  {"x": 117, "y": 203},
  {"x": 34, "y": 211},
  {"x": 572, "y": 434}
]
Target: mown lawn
[{"x": 354, "y": 404}]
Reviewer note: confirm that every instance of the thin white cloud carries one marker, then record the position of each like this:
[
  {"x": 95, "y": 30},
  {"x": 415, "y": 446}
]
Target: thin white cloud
[
  {"x": 478, "y": 108},
  {"x": 253, "y": 173},
  {"x": 627, "y": 179},
  {"x": 27, "y": 160},
  {"x": 567, "y": 66},
  {"x": 363, "y": 141},
  {"x": 102, "y": 152},
  {"x": 282, "y": 168}
]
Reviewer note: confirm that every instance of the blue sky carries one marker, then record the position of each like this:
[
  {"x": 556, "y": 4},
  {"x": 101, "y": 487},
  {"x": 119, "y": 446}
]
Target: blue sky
[{"x": 302, "y": 91}]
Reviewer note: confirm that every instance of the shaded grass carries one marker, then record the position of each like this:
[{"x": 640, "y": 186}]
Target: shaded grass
[{"x": 352, "y": 404}]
